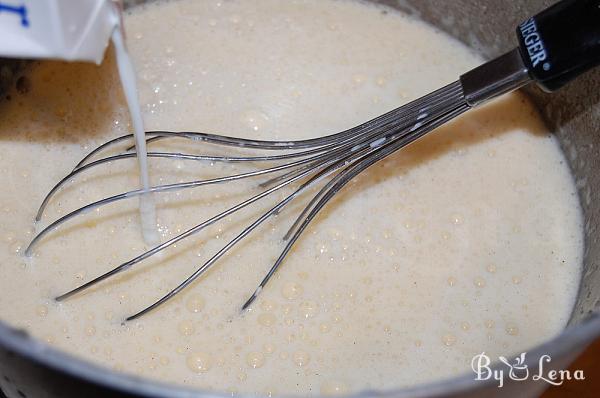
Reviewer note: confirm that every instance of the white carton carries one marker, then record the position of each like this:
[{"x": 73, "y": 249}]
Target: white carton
[{"x": 72, "y": 30}]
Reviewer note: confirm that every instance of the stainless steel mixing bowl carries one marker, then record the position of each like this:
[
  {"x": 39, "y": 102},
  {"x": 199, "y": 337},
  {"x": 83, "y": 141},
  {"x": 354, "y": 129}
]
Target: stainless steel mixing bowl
[{"x": 28, "y": 368}]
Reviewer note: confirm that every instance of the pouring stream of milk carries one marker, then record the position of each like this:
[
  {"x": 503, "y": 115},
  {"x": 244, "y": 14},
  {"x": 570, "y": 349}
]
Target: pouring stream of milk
[{"x": 128, "y": 82}]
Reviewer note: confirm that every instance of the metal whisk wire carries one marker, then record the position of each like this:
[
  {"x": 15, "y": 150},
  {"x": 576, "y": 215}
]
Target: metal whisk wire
[
  {"x": 342, "y": 156},
  {"x": 339, "y": 157}
]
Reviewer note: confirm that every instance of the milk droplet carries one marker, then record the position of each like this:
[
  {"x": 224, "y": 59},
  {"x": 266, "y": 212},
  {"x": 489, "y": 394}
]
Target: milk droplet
[
  {"x": 334, "y": 387},
  {"x": 195, "y": 303},
  {"x": 255, "y": 359},
  {"x": 255, "y": 120},
  {"x": 268, "y": 306},
  {"x": 186, "y": 328},
  {"x": 199, "y": 362},
  {"x": 90, "y": 330},
  {"x": 301, "y": 358},
  {"x": 292, "y": 290},
  {"x": 268, "y": 348},
  {"x": 512, "y": 329},
  {"x": 309, "y": 309},
  {"x": 267, "y": 319},
  {"x": 324, "y": 328},
  {"x": 41, "y": 310},
  {"x": 448, "y": 339}
]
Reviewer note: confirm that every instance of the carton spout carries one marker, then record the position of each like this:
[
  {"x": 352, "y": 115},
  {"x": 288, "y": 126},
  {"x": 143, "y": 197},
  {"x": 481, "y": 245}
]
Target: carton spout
[{"x": 57, "y": 29}]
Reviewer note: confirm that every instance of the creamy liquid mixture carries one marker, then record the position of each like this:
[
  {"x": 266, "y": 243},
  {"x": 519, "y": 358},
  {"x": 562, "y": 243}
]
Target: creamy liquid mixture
[{"x": 469, "y": 240}]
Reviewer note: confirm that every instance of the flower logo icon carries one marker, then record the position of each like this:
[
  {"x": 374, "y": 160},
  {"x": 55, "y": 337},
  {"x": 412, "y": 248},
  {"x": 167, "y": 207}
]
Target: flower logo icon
[{"x": 517, "y": 370}]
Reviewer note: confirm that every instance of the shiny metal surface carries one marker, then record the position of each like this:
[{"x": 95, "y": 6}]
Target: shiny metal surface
[
  {"x": 494, "y": 78},
  {"x": 30, "y": 369},
  {"x": 333, "y": 160}
]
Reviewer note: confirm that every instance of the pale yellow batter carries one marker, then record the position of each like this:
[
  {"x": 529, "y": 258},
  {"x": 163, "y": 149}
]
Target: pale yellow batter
[{"x": 468, "y": 241}]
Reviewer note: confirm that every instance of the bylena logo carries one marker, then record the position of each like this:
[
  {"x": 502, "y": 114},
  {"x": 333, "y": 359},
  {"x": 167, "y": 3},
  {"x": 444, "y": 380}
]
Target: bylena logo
[
  {"x": 533, "y": 42},
  {"x": 518, "y": 370}
]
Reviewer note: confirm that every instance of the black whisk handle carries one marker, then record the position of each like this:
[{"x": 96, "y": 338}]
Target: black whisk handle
[{"x": 561, "y": 42}]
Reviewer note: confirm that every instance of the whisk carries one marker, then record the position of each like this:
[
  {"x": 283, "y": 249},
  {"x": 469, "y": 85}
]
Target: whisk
[{"x": 545, "y": 55}]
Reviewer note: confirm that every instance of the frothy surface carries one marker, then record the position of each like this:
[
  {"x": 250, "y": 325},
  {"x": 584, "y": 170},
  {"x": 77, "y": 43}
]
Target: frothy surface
[{"x": 469, "y": 240}]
